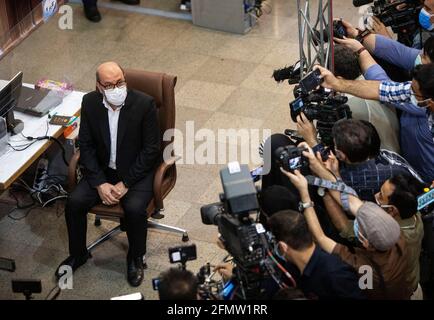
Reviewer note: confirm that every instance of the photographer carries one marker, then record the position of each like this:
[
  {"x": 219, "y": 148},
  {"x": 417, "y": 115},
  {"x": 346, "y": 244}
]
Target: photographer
[
  {"x": 426, "y": 21},
  {"x": 414, "y": 98},
  {"x": 397, "y": 197},
  {"x": 384, "y": 247},
  {"x": 381, "y": 116},
  {"x": 356, "y": 145},
  {"x": 390, "y": 50},
  {"x": 318, "y": 274},
  {"x": 178, "y": 284}
]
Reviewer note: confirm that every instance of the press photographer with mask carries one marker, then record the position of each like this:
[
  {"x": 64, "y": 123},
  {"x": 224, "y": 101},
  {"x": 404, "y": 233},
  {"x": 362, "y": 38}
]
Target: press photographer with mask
[
  {"x": 384, "y": 247},
  {"x": 398, "y": 197},
  {"x": 357, "y": 146},
  {"x": 426, "y": 21},
  {"x": 391, "y": 50},
  {"x": 414, "y": 98}
]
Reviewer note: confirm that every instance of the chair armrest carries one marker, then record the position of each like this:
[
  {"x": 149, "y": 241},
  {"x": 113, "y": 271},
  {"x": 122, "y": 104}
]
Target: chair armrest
[
  {"x": 159, "y": 178},
  {"x": 72, "y": 171}
]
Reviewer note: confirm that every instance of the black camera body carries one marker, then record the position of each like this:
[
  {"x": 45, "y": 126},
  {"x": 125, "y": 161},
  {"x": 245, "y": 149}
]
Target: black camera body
[
  {"x": 291, "y": 158},
  {"x": 339, "y": 30},
  {"x": 322, "y": 106},
  {"x": 245, "y": 240},
  {"x": 403, "y": 21},
  {"x": 182, "y": 254},
  {"x": 311, "y": 81},
  {"x": 238, "y": 231}
]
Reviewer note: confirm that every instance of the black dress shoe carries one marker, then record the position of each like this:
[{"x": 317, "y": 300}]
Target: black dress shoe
[
  {"x": 130, "y": 2},
  {"x": 73, "y": 262},
  {"x": 92, "y": 13},
  {"x": 135, "y": 271}
]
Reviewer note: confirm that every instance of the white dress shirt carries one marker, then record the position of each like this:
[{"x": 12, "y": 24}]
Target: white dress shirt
[{"x": 113, "y": 119}]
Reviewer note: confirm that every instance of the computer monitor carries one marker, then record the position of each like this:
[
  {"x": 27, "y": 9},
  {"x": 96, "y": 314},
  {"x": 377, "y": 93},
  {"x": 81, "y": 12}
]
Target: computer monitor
[{"x": 9, "y": 95}]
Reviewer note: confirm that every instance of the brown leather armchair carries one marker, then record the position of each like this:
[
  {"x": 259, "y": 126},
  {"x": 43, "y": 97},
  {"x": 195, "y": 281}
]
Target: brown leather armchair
[{"x": 162, "y": 87}]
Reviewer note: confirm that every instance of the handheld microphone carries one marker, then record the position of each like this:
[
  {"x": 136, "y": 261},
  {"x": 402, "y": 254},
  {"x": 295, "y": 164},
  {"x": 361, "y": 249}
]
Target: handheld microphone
[{"x": 359, "y": 3}]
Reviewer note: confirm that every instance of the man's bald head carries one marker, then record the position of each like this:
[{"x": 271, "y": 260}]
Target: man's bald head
[{"x": 109, "y": 72}]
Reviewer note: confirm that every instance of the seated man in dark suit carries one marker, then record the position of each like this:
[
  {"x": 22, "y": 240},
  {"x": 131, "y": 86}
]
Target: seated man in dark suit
[{"x": 119, "y": 151}]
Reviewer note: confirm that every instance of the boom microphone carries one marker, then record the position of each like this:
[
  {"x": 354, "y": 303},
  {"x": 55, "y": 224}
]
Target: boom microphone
[{"x": 359, "y": 3}]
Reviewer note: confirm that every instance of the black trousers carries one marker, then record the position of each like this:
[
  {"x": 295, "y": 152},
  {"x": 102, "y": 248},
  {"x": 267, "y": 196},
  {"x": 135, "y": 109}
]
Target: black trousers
[
  {"x": 89, "y": 2},
  {"x": 134, "y": 203}
]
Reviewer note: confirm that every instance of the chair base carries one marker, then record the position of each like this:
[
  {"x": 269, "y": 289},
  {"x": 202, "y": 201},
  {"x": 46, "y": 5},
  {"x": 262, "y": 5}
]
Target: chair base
[{"x": 151, "y": 225}]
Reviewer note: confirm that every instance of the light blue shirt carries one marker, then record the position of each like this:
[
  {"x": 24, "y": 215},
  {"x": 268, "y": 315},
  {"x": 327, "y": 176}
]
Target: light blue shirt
[{"x": 417, "y": 143}]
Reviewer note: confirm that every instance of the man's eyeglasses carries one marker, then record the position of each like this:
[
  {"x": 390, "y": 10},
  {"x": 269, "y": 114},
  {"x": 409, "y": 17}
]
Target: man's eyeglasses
[{"x": 110, "y": 86}]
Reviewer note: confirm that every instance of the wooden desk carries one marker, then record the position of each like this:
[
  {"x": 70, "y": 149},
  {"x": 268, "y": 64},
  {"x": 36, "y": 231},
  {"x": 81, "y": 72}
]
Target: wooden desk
[{"x": 14, "y": 163}]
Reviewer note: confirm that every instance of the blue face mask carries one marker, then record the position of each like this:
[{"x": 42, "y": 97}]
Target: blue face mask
[
  {"x": 356, "y": 229},
  {"x": 424, "y": 20}
]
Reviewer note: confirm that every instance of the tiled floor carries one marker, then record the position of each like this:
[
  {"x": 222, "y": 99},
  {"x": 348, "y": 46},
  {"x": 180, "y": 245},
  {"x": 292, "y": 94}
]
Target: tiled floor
[{"x": 224, "y": 80}]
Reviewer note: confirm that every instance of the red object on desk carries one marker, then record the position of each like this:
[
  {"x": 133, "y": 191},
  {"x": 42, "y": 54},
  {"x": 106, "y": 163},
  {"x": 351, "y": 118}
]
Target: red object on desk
[{"x": 70, "y": 129}]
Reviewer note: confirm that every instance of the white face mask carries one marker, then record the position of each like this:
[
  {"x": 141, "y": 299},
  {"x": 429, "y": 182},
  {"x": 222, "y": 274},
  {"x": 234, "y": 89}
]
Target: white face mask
[
  {"x": 421, "y": 104},
  {"x": 414, "y": 100},
  {"x": 418, "y": 61},
  {"x": 116, "y": 96}
]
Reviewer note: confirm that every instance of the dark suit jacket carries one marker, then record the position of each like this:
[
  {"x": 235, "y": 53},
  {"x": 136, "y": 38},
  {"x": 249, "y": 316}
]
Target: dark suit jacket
[{"x": 138, "y": 139}]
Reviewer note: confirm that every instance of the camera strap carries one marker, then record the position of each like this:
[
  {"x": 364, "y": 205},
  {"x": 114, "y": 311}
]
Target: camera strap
[{"x": 339, "y": 185}]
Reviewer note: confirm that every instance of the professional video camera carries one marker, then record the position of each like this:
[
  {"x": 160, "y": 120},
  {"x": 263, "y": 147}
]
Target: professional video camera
[
  {"x": 401, "y": 16},
  {"x": 245, "y": 239},
  {"x": 319, "y": 104}
]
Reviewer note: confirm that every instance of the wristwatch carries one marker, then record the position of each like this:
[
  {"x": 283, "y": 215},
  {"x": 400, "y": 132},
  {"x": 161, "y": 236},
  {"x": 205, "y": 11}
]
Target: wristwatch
[
  {"x": 304, "y": 205},
  {"x": 362, "y": 34},
  {"x": 358, "y": 52}
]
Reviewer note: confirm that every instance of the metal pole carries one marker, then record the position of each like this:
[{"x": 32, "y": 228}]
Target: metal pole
[{"x": 313, "y": 48}]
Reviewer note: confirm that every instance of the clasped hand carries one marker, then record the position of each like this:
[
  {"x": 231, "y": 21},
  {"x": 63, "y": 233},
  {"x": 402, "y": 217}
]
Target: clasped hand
[{"x": 111, "y": 194}]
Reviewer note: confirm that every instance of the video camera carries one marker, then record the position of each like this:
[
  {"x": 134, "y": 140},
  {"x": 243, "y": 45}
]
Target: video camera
[
  {"x": 291, "y": 158},
  {"x": 208, "y": 287},
  {"x": 319, "y": 104},
  {"x": 244, "y": 239},
  {"x": 401, "y": 16}
]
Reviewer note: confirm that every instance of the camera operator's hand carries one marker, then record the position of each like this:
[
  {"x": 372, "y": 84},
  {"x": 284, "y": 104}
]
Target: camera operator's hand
[
  {"x": 307, "y": 130},
  {"x": 378, "y": 27},
  {"x": 225, "y": 270},
  {"x": 330, "y": 81},
  {"x": 332, "y": 164},
  {"x": 299, "y": 181},
  {"x": 432, "y": 185},
  {"x": 351, "y": 31},
  {"x": 351, "y": 44},
  {"x": 316, "y": 164}
]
